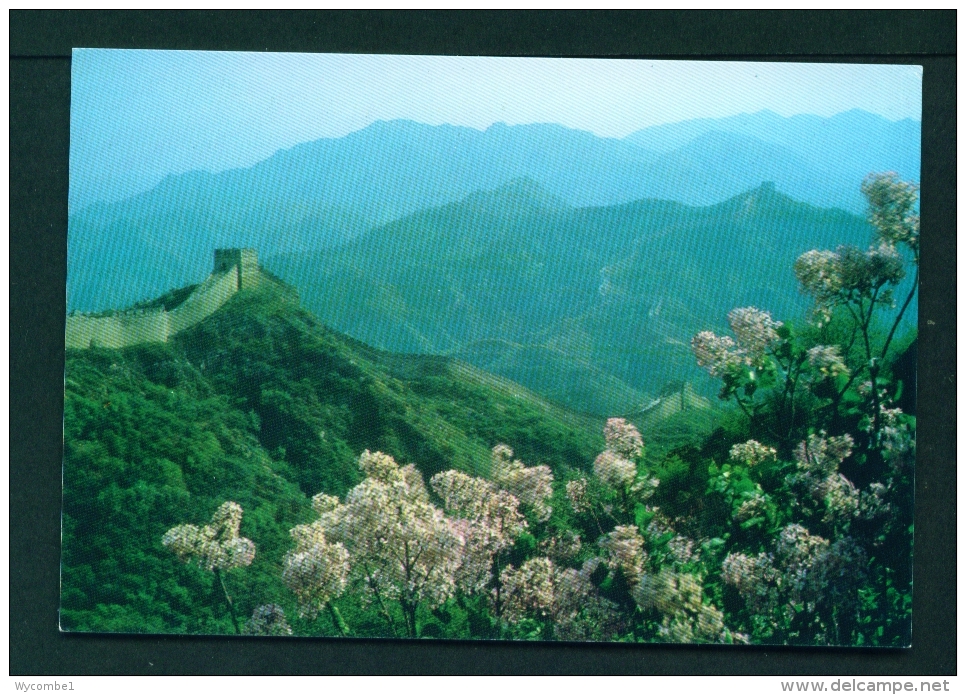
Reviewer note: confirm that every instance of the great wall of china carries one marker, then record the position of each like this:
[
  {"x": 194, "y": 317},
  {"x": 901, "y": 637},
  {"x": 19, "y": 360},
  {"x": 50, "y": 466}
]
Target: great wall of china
[{"x": 234, "y": 270}]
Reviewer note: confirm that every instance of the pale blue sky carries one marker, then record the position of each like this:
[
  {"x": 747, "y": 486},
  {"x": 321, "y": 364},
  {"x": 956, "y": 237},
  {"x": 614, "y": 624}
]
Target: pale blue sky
[{"x": 139, "y": 115}]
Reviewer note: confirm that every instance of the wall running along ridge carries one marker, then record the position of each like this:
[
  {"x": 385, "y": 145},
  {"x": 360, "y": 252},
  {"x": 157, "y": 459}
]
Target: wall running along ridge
[{"x": 157, "y": 325}]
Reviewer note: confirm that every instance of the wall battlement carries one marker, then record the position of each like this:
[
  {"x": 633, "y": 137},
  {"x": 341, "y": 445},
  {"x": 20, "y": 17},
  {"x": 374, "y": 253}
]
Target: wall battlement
[{"x": 234, "y": 270}]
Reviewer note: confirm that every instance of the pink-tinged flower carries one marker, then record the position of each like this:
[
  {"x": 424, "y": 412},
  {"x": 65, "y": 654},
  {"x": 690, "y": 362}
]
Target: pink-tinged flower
[
  {"x": 577, "y": 494},
  {"x": 528, "y": 591},
  {"x": 835, "y": 276},
  {"x": 532, "y": 486},
  {"x": 820, "y": 274},
  {"x": 561, "y": 548},
  {"x": 892, "y": 208},
  {"x": 488, "y": 520},
  {"x": 717, "y": 354},
  {"x": 841, "y": 499},
  {"x": 379, "y": 466},
  {"x": 614, "y": 470},
  {"x": 681, "y": 549},
  {"x": 315, "y": 571},
  {"x": 268, "y": 620},
  {"x": 216, "y": 546},
  {"x": 864, "y": 271},
  {"x": 400, "y": 546},
  {"x": 755, "y": 505},
  {"x": 752, "y": 453},
  {"x": 624, "y": 548},
  {"x": 678, "y": 598},
  {"x": 799, "y": 553},
  {"x": 754, "y": 329},
  {"x": 826, "y": 360},
  {"x": 821, "y": 454},
  {"x": 755, "y": 578},
  {"x": 563, "y": 597},
  {"x": 623, "y": 438}
]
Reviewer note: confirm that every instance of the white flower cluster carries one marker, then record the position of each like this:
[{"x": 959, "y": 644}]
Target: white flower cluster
[
  {"x": 268, "y": 620},
  {"x": 216, "y": 546},
  {"x": 717, "y": 354},
  {"x": 818, "y": 460},
  {"x": 659, "y": 525},
  {"x": 892, "y": 210},
  {"x": 755, "y": 578},
  {"x": 800, "y": 554},
  {"x": 805, "y": 571},
  {"x": 624, "y": 550},
  {"x": 644, "y": 487},
  {"x": 488, "y": 520},
  {"x": 832, "y": 277},
  {"x": 755, "y": 505},
  {"x": 623, "y": 438},
  {"x": 841, "y": 499},
  {"x": 400, "y": 547},
  {"x": 316, "y": 571},
  {"x": 532, "y": 486},
  {"x": 820, "y": 275},
  {"x": 816, "y": 571},
  {"x": 681, "y": 549},
  {"x": 826, "y": 360},
  {"x": 678, "y": 598},
  {"x": 895, "y": 440},
  {"x": 577, "y": 494},
  {"x": 755, "y": 331},
  {"x": 529, "y": 590},
  {"x": 564, "y": 597},
  {"x": 752, "y": 453},
  {"x": 839, "y": 571},
  {"x": 866, "y": 270},
  {"x": 614, "y": 470},
  {"x": 615, "y": 466},
  {"x": 562, "y": 548},
  {"x": 872, "y": 502},
  {"x": 821, "y": 454}
]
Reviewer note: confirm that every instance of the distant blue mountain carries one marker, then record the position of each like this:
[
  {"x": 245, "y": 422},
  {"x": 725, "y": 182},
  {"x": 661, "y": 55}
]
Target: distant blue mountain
[
  {"x": 592, "y": 307},
  {"x": 324, "y": 193},
  {"x": 846, "y": 146}
]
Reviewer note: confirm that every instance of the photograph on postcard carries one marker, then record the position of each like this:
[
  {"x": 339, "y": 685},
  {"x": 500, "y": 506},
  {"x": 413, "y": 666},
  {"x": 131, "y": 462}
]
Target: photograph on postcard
[{"x": 386, "y": 346}]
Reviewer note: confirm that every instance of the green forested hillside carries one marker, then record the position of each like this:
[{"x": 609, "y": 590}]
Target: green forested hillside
[
  {"x": 592, "y": 307},
  {"x": 357, "y": 492},
  {"x": 263, "y": 405}
]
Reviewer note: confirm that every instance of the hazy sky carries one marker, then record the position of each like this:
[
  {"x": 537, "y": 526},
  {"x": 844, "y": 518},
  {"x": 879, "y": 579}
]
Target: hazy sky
[{"x": 139, "y": 115}]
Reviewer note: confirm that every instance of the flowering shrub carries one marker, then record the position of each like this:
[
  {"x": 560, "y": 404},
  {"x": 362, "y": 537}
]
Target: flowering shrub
[
  {"x": 400, "y": 546},
  {"x": 623, "y": 439},
  {"x": 216, "y": 546},
  {"x": 685, "y": 616},
  {"x": 791, "y": 524},
  {"x": 532, "y": 486},
  {"x": 560, "y": 603},
  {"x": 487, "y": 521},
  {"x": 809, "y": 572},
  {"x": 316, "y": 571},
  {"x": 268, "y": 620},
  {"x": 614, "y": 470}
]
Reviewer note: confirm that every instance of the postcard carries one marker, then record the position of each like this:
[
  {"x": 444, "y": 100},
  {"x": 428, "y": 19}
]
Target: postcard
[{"x": 475, "y": 348}]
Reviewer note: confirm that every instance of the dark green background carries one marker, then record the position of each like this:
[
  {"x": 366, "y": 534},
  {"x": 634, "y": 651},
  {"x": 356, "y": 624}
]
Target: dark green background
[{"x": 40, "y": 43}]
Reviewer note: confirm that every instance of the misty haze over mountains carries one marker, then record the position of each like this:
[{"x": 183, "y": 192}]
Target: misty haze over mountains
[
  {"x": 592, "y": 307},
  {"x": 323, "y": 193}
]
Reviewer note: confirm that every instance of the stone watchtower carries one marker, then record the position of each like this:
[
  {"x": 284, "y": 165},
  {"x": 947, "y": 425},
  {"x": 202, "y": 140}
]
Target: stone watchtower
[{"x": 246, "y": 260}]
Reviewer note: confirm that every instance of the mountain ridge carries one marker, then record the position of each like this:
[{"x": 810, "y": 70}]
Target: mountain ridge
[
  {"x": 326, "y": 192},
  {"x": 558, "y": 300}
]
